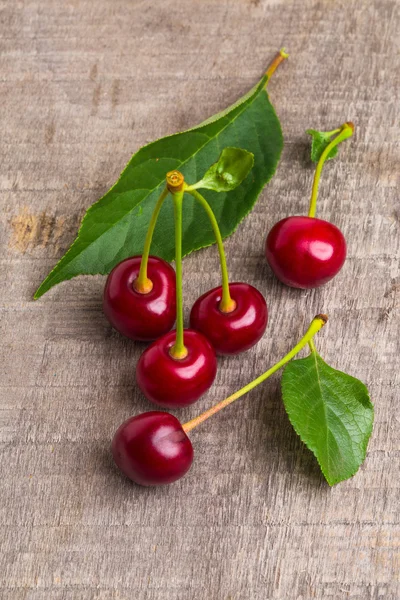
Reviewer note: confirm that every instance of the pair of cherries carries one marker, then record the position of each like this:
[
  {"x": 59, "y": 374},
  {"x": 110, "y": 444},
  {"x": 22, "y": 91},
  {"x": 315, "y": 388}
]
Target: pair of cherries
[{"x": 165, "y": 380}]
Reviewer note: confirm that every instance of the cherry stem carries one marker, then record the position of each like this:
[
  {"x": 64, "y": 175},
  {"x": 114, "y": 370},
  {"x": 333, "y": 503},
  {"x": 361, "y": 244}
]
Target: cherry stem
[
  {"x": 316, "y": 324},
  {"x": 178, "y": 350},
  {"x": 279, "y": 58},
  {"x": 345, "y": 131},
  {"x": 142, "y": 283},
  {"x": 227, "y": 304}
]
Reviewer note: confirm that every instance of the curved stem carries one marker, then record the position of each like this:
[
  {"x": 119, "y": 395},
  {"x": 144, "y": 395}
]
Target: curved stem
[
  {"x": 346, "y": 131},
  {"x": 142, "y": 283},
  {"x": 227, "y": 304},
  {"x": 317, "y": 323},
  {"x": 178, "y": 350},
  {"x": 279, "y": 58}
]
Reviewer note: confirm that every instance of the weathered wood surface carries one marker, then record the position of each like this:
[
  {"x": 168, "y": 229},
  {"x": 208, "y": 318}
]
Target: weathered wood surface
[{"x": 84, "y": 84}]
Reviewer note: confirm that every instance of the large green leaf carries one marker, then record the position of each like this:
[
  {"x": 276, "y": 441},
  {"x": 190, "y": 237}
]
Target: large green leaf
[
  {"x": 115, "y": 226},
  {"x": 331, "y": 412}
]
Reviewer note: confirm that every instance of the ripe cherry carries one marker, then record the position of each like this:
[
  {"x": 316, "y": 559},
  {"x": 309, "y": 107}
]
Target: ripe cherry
[
  {"x": 305, "y": 252},
  {"x": 152, "y": 449},
  {"x": 234, "y": 331},
  {"x": 176, "y": 382},
  {"x": 141, "y": 315}
]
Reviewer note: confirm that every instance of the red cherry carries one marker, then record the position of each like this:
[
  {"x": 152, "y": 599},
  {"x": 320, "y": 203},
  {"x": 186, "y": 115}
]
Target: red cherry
[
  {"x": 174, "y": 383},
  {"x": 235, "y": 331},
  {"x": 305, "y": 252},
  {"x": 140, "y": 316},
  {"x": 152, "y": 449}
]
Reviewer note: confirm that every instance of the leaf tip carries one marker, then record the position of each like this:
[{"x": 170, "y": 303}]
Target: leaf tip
[
  {"x": 38, "y": 293},
  {"x": 43, "y": 288}
]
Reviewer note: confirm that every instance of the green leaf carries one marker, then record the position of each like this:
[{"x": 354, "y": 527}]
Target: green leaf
[
  {"x": 115, "y": 226},
  {"x": 331, "y": 412},
  {"x": 320, "y": 140},
  {"x": 232, "y": 167}
]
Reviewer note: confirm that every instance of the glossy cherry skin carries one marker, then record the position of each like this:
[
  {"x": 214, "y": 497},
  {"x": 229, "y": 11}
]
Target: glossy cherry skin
[
  {"x": 236, "y": 331},
  {"x": 173, "y": 383},
  {"x": 152, "y": 449},
  {"x": 142, "y": 317},
  {"x": 305, "y": 252}
]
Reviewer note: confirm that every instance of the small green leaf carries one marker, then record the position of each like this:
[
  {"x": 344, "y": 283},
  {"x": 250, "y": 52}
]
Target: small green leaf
[
  {"x": 115, "y": 227},
  {"x": 331, "y": 412},
  {"x": 232, "y": 167},
  {"x": 320, "y": 140}
]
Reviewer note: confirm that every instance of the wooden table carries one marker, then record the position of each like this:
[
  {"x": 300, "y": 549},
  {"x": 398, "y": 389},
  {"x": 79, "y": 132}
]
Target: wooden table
[{"x": 84, "y": 84}]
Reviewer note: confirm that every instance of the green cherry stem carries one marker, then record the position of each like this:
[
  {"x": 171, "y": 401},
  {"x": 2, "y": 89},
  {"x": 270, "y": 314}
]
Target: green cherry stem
[
  {"x": 346, "y": 131},
  {"x": 175, "y": 184},
  {"x": 227, "y": 304},
  {"x": 142, "y": 283},
  {"x": 279, "y": 58},
  {"x": 316, "y": 324}
]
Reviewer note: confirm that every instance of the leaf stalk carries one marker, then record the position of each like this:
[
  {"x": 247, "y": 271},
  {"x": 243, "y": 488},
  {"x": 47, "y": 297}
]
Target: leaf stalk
[{"x": 279, "y": 58}]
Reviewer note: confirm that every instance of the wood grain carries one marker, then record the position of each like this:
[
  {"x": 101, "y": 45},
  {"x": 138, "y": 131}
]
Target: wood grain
[{"x": 83, "y": 85}]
